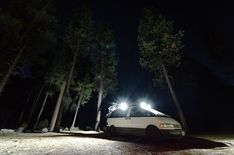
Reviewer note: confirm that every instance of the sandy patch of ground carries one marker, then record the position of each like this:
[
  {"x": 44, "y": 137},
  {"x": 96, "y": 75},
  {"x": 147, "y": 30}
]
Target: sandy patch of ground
[{"x": 92, "y": 143}]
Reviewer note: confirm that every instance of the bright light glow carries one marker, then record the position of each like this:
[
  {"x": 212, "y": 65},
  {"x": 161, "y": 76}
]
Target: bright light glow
[
  {"x": 148, "y": 106},
  {"x": 144, "y": 105},
  {"x": 156, "y": 112},
  {"x": 123, "y": 106}
]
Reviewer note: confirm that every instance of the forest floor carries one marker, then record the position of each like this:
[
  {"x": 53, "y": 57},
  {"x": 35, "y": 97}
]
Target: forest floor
[{"x": 93, "y": 143}]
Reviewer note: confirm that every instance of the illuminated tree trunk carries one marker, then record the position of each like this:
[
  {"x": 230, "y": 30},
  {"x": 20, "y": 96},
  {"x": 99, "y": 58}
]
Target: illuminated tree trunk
[
  {"x": 77, "y": 109},
  {"x": 34, "y": 105},
  {"x": 179, "y": 110},
  {"x": 43, "y": 105},
  {"x": 100, "y": 95},
  {"x": 11, "y": 69},
  {"x": 41, "y": 110},
  {"x": 56, "y": 110},
  {"x": 60, "y": 114}
]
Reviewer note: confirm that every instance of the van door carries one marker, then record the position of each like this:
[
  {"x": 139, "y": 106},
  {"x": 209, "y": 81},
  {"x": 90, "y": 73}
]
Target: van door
[
  {"x": 117, "y": 118},
  {"x": 139, "y": 118}
]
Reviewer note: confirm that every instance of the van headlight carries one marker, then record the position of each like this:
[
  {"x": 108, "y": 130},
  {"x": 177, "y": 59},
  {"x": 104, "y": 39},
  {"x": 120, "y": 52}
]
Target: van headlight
[
  {"x": 123, "y": 106},
  {"x": 166, "y": 126}
]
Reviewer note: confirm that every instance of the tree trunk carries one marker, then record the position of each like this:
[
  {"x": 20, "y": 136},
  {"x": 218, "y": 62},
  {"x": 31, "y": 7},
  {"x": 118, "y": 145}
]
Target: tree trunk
[
  {"x": 41, "y": 110},
  {"x": 179, "y": 110},
  {"x": 43, "y": 105},
  {"x": 98, "y": 117},
  {"x": 58, "y": 104},
  {"x": 60, "y": 114},
  {"x": 11, "y": 69},
  {"x": 34, "y": 106},
  {"x": 77, "y": 109},
  {"x": 78, "y": 106},
  {"x": 71, "y": 71}
]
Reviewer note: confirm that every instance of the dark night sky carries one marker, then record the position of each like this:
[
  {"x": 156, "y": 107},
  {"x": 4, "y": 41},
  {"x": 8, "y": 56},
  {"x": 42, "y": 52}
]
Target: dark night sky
[{"x": 190, "y": 16}]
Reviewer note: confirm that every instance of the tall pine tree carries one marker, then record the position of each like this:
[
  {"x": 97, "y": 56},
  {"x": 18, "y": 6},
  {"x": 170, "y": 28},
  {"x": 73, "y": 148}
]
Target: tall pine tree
[
  {"x": 104, "y": 65},
  {"x": 160, "y": 50}
]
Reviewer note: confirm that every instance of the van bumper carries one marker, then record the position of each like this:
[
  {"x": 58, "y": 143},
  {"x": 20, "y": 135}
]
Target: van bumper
[{"x": 173, "y": 133}]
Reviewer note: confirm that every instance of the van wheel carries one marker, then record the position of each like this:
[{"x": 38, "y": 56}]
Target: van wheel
[
  {"x": 107, "y": 131},
  {"x": 112, "y": 131},
  {"x": 152, "y": 132}
]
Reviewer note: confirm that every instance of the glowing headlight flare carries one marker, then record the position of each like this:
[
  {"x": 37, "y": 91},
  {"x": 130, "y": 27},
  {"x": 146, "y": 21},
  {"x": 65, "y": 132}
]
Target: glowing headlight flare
[
  {"x": 148, "y": 106},
  {"x": 123, "y": 106},
  {"x": 143, "y": 105}
]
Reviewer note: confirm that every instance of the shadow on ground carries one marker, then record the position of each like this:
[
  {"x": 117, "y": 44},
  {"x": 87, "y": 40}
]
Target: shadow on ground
[{"x": 174, "y": 144}]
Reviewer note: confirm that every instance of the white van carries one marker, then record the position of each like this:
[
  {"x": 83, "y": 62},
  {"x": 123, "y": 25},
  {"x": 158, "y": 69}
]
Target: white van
[{"x": 142, "y": 120}]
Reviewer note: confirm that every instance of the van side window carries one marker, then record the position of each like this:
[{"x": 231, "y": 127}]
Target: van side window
[
  {"x": 139, "y": 112},
  {"x": 118, "y": 113}
]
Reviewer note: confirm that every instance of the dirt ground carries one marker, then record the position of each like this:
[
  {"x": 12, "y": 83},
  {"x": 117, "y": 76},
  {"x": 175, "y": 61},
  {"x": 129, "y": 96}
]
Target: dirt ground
[{"x": 91, "y": 143}]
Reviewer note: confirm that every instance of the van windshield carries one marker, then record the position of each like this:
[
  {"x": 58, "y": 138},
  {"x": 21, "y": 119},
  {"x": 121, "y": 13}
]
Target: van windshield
[
  {"x": 118, "y": 113},
  {"x": 162, "y": 115},
  {"x": 139, "y": 112},
  {"x": 157, "y": 113}
]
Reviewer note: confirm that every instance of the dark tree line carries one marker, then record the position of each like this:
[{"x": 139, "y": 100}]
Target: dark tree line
[{"x": 29, "y": 37}]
